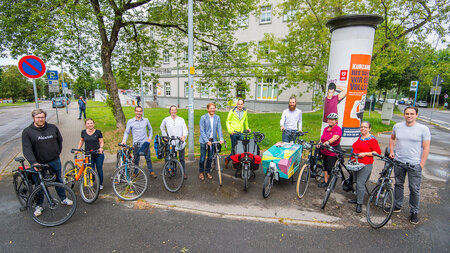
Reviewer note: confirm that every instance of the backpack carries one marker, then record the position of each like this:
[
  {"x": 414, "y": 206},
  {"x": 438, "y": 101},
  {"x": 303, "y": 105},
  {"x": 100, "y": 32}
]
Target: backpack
[{"x": 159, "y": 147}]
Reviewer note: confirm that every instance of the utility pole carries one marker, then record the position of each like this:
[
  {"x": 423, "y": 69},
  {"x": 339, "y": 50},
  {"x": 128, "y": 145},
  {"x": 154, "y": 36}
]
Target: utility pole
[
  {"x": 191, "y": 79},
  {"x": 141, "y": 92}
]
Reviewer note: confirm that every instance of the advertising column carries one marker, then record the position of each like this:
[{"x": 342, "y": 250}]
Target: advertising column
[{"x": 351, "y": 47}]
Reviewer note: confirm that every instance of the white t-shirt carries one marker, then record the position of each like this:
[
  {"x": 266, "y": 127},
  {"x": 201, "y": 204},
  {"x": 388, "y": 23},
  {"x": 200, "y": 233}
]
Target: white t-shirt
[
  {"x": 291, "y": 120},
  {"x": 408, "y": 142}
]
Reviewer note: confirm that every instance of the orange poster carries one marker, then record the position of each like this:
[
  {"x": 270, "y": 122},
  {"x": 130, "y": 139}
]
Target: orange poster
[{"x": 356, "y": 94}]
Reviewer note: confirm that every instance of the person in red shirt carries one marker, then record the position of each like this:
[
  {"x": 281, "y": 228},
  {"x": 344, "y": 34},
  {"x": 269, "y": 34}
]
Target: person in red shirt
[
  {"x": 364, "y": 147},
  {"x": 331, "y": 136}
]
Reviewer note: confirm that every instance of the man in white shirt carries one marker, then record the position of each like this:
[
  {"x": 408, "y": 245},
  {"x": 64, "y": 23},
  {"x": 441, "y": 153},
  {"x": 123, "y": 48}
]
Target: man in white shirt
[
  {"x": 291, "y": 121},
  {"x": 175, "y": 126}
]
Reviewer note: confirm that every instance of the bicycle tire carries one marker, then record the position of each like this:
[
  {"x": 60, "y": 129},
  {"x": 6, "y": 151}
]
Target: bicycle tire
[
  {"x": 22, "y": 188},
  {"x": 303, "y": 181},
  {"x": 173, "y": 175},
  {"x": 245, "y": 176},
  {"x": 380, "y": 206},
  {"x": 268, "y": 183},
  {"x": 219, "y": 169},
  {"x": 69, "y": 174},
  {"x": 89, "y": 190},
  {"x": 129, "y": 182},
  {"x": 54, "y": 213},
  {"x": 332, "y": 183}
]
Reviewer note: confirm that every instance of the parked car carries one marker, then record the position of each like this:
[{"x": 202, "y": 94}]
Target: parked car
[
  {"x": 58, "y": 102},
  {"x": 422, "y": 104},
  {"x": 401, "y": 102}
]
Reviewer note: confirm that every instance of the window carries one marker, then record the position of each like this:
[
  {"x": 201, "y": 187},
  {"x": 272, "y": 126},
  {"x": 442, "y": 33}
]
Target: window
[
  {"x": 204, "y": 52},
  {"x": 242, "y": 20},
  {"x": 204, "y": 91},
  {"x": 186, "y": 56},
  {"x": 267, "y": 89},
  {"x": 264, "y": 49},
  {"x": 167, "y": 88},
  {"x": 166, "y": 57},
  {"x": 290, "y": 15},
  {"x": 186, "y": 89},
  {"x": 266, "y": 15},
  {"x": 240, "y": 90}
]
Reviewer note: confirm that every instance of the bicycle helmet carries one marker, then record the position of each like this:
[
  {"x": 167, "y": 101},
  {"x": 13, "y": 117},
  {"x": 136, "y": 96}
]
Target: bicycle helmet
[
  {"x": 354, "y": 165},
  {"x": 332, "y": 116},
  {"x": 180, "y": 145}
]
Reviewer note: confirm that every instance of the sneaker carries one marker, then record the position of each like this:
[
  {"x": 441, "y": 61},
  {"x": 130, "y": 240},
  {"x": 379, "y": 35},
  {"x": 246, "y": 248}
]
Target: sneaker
[
  {"x": 153, "y": 175},
  {"x": 387, "y": 209},
  {"x": 38, "y": 211},
  {"x": 323, "y": 185},
  {"x": 414, "y": 219},
  {"x": 358, "y": 208},
  {"x": 67, "y": 201},
  {"x": 101, "y": 187}
]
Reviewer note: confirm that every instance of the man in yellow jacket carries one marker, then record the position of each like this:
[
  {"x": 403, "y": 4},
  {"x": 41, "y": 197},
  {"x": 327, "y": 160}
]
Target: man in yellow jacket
[{"x": 237, "y": 122}]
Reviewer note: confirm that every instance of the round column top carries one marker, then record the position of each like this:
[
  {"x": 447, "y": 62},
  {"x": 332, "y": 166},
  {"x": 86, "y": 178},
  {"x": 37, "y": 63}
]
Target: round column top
[{"x": 371, "y": 20}]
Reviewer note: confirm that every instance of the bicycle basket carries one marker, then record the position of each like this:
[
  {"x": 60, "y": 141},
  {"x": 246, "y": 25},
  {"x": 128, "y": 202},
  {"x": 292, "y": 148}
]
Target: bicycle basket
[{"x": 355, "y": 165}]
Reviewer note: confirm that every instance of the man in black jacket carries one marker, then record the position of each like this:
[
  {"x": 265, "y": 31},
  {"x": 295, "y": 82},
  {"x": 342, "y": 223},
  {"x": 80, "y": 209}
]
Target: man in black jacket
[{"x": 42, "y": 144}]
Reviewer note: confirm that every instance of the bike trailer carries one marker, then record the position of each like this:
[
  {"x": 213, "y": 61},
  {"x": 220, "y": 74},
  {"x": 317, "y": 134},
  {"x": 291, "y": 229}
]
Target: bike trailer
[
  {"x": 286, "y": 156},
  {"x": 244, "y": 147}
]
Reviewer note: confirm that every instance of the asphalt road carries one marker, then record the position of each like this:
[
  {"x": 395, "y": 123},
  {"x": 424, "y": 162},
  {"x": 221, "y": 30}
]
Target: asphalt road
[{"x": 436, "y": 116}]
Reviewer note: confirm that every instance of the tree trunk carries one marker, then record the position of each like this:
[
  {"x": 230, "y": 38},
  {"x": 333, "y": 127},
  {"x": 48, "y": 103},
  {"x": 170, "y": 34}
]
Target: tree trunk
[{"x": 111, "y": 87}]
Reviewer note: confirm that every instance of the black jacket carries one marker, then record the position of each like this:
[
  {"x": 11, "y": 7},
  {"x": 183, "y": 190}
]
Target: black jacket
[{"x": 41, "y": 145}]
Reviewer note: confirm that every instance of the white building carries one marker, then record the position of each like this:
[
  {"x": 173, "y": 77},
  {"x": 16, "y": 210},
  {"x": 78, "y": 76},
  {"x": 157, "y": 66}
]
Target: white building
[{"x": 263, "y": 95}]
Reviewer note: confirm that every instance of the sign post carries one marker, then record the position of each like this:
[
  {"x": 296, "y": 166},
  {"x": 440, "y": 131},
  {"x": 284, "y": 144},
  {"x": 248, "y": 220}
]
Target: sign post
[
  {"x": 32, "y": 67},
  {"x": 414, "y": 87},
  {"x": 436, "y": 81},
  {"x": 53, "y": 87}
]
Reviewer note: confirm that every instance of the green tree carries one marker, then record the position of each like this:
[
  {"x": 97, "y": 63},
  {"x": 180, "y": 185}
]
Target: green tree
[
  {"x": 117, "y": 36},
  {"x": 14, "y": 85}
]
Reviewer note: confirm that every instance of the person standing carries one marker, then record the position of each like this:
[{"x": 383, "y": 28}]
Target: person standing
[
  {"x": 237, "y": 122},
  {"x": 364, "y": 147},
  {"x": 139, "y": 127},
  {"x": 174, "y": 125},
  {"x": 82, "y": 107},
  {"x": 409, "y": 143},
  {"x": 331, "y": 136},
  {"x": 291, "y": 121},
  {"x": 93, "y": 140},
  {"x": 210, "y": 130},
  {"x": 42, "y": 144}
]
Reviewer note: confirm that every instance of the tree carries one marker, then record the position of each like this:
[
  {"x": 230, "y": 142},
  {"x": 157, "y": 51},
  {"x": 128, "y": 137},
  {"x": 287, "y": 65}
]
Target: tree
[
  {"x": 14, "y": 85},
  {"x": 119, "y": 36}
]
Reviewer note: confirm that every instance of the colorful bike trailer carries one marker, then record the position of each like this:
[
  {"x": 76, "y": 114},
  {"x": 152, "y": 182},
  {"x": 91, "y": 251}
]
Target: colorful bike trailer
[{"x": 286, "y": 157}]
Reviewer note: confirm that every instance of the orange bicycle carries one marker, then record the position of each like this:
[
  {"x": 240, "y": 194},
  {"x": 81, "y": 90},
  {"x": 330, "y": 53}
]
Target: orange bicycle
[{"x": 90, "y": 181}]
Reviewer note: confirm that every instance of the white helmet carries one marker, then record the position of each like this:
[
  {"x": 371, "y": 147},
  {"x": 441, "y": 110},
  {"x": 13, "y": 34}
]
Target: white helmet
[
  {"x": 180, "y": 145},
  {"x": 332, "y": 116}
]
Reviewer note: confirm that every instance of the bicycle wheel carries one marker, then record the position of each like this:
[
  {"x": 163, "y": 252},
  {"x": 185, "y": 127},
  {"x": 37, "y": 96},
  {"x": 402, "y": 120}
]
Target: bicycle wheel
[
  {"x": 380, "y": 206},
  {"x": 268, "y": 183},
  {"x": 69, "y": 173},
  {"x": 173, "y": 175},
  {"x": 219, "y": 169},
  {"x": 89, "y": 185},
  {"x": 245, "y": 176},
  {"x": 54, "y": 212},
  {"x": 21, "y": 187},
  {"x": 129, "y": 182},
  {"x": 303, "y": 181},
  {"x": 331, "y": 184}
]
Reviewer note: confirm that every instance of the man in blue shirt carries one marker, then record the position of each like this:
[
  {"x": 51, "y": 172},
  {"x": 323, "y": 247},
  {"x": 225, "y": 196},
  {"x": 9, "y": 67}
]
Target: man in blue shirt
[
  {"x": 82, "y": 107},
  {"x": 139, "y": 126}
]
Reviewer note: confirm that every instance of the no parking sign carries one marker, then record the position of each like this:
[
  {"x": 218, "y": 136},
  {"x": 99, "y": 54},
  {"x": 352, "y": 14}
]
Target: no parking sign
[{"x": 31, "y": 66}]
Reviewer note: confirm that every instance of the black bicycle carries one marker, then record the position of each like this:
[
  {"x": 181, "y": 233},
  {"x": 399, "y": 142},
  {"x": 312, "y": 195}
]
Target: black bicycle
[
  {"x": 313, "y": 168},
  {"x": 129, "y": 181},
  {"x": 173, "y": 171},
  {"x": 43, "y": 201},
  {"x": 380, "y": 205},
  {"x": 336, "y": 173}
]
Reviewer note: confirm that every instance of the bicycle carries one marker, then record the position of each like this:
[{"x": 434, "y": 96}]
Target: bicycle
[
  {"x": 217, "y": 147},
  {"x": 80, "y": 169},
  {"x": 336, "y": 172},
  {"x": 129, "y": 181},
  {"x": 380, "y": 205},
  {"x": 173, "y": 171},
  {"x": 53, "y": 211},
  {"x": 278, "y": 151},
  {"x": 312, "y": 168}
]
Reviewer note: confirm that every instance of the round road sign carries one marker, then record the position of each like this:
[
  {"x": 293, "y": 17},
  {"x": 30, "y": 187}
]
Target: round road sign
[{"x": 31, "y": 66}]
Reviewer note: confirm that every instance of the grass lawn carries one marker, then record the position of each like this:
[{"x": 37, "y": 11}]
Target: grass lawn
[
  {"x": 15, "y": 104},
  {"x": 266, "y": 123}
]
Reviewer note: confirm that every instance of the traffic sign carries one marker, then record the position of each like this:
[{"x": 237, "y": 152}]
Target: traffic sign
[
  {"x": 31, "y": 66},
  {"x": 53, "y": 88},
  {"x": 437, "y": 80},
  {"x": 436, "y": 90},
  {"x": 413, "y": 86},
  {"x": 52, "y": 75},
  {"x": 64, "y": 85},
  {"x": 446, "y": 96}
]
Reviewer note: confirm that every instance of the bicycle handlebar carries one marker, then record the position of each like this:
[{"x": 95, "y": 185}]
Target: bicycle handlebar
[
  {"x": 90, "y": 152},
  {"x": 392, "y": 161}
]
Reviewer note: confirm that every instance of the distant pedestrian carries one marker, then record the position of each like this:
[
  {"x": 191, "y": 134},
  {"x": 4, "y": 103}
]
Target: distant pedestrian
[
  {"x": 82, "y": 107},
  {"x": 93, "y": 140},
  {"x": 138, "y": 100},
  {"x": 291, "y": 121},
  {"x": 412, "y": 145}
]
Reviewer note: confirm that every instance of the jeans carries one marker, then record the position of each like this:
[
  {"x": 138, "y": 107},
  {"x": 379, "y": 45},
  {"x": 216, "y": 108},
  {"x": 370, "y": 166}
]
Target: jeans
[
  {"x": 82, "y": 110},
  {"x": 137, "y": 157},
  {"x": 201, "y": 164},
  {"x": 55, "y": 166},
  {"x": 414, "y": 180},
  {"x": 234, "y": 139},
  {"x": 288, "y": 135},
  {"x": 361, "y": 178},
  {"x": 181, "y": 154},
  {"x": 97, "y": 163}
]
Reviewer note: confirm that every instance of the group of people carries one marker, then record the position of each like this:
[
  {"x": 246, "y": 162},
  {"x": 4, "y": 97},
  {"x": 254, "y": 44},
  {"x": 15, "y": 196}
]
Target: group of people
[{"x": 409, "y": 143}]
